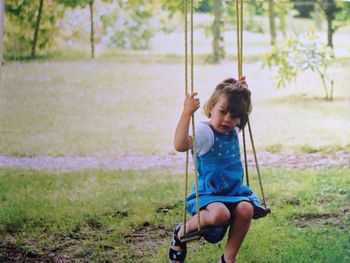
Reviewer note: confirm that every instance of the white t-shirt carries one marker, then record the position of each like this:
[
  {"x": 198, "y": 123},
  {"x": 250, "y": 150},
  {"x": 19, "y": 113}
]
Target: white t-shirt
[{"x": 204, "y": 137}]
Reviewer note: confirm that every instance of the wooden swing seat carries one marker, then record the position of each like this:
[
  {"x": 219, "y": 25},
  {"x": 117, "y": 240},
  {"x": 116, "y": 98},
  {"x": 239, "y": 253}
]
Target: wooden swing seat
[{"x": 198, "y": 234}]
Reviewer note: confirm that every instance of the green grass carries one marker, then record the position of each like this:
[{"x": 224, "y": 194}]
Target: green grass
[
  {"x": 128, "y": 216},
  {"x": 107, "y": 108}
]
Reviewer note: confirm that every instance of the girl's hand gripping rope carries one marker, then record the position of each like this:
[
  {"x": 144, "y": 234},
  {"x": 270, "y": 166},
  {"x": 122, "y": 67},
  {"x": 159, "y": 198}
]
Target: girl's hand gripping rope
[{"x": 191, "y": 104}]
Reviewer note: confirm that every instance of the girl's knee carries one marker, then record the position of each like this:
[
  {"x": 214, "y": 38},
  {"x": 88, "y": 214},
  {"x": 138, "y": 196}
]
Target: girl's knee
[
  {"x": 219, "y": 215},
  {"x": 222, "y": 216},
  {"x": 245, "y": 211}
]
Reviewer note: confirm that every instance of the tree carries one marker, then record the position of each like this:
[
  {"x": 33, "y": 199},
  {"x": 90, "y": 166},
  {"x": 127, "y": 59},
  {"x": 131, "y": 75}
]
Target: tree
[
  {"x": 31, "y": 26},
  {"x": 329, "y": 9},
  {"x": 83, "y": 4},
  {"x": 223, "y": 9},
  {"x": 2, "y": 9},
  {"x": 301, "y": 53},
  {"x": 277, "y": 11},
  {"x": 304, "y": 7},
  {"x": 37, "y": 27},
  {"x": 129, "y": 24},
  {"x": 318, "y": 15},
  {"x": 126, "y": 23},
  {"x": 272, "y": 23},
  {"x": 217, "y": 27},
  {"x": 92, "y": 39},
  {"x": 216, "y": 7},
  {"x": 337, "y": 14}
]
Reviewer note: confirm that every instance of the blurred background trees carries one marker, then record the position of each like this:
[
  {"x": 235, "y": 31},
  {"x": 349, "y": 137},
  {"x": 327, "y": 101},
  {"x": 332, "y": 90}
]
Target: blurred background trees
[{"x": 43, "y": 25}]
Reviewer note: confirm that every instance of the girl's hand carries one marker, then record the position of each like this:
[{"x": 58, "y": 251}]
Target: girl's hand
[{"x": 191, "y": 104}]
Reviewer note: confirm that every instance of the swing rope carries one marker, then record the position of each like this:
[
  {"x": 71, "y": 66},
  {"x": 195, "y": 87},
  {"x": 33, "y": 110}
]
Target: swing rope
[
  {"x": 186, "y": 91},
  {"x": 239, "y": 16},
  {"x": 239, "y": 39},
  {"x": 192, "y": 118},
  {"x": 257, "y": 165}
]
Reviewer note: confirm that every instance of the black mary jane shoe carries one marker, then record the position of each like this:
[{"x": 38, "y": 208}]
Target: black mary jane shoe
[{"x": 175, "y": 242}]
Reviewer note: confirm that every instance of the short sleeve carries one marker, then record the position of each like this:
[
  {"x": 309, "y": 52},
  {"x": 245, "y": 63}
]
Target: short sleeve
[{"x": 204, "y": 138}]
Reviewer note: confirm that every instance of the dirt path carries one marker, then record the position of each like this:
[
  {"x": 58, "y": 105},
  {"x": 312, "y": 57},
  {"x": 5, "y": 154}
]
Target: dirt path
[{"x": 176, "y": 162}]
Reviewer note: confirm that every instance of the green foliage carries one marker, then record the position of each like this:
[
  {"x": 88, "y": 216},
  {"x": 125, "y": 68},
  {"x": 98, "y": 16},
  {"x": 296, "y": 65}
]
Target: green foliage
[
  {"x": 341, "y": 8},
  {"x": 342, "y": 14},
  {"x": 337, "y": 13},
  {"x": 20, "y": 23},
  {"x": 204, "y": 6},
  {"x": 282, "y": 10},
  {"x": 257, "y": 6},
  {"x": 297, "y": 54},
  {"x": 304, "y": 8},
  {"x": 129, "y": 26}
]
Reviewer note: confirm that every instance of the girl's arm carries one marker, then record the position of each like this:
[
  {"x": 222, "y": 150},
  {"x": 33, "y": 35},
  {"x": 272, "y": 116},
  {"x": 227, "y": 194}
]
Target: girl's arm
[{"x": 183, "y": 142}]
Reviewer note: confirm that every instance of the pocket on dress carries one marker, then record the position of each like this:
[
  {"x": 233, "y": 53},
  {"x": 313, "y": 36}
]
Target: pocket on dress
[{"x": 219, "y": 182}]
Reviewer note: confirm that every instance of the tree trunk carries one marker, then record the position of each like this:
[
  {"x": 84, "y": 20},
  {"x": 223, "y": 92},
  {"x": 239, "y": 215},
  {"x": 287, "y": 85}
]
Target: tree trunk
[
  {"x": 2, "y": 11},
  {"x": 330, "y": 14},
  {"x": 318, "y": 17},
  {"x": 329, "y": 32},
  {"x": 272, "y": 23},
  {"x": 218, "y": 39},
  {"x": 92, "y": 41},
  {"x": 37, "y": 27}
]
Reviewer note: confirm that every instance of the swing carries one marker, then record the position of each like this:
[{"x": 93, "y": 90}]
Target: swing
[{"x": 263, "y": 211}]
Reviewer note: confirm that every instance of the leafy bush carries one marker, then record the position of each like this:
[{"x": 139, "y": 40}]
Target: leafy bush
[{"x": 298, "y": 54}]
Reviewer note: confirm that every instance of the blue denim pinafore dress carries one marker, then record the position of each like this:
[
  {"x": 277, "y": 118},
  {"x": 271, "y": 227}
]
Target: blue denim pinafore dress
[{"x": 220, "y": 176}]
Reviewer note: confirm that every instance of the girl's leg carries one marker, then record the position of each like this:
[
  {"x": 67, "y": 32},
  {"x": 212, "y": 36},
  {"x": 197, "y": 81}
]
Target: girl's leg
[
  {"x": 242, "y": 217},
  {"x": 214, "y": 214}
]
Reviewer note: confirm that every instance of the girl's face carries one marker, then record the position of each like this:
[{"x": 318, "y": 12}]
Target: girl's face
[{"x": 221, "y": 120}]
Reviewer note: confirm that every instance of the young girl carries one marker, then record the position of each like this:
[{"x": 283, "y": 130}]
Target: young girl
[{"x": 223, "y": 198}]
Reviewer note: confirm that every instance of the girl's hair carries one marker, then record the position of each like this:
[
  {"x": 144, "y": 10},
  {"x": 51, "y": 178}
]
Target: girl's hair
[{"x": 238, "y": 96}]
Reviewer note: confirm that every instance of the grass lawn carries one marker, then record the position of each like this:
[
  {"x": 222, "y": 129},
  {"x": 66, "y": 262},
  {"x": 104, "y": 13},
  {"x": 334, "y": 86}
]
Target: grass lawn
[
  {"x": 128, "y": 216},
  {"x": 107, "y": 108},
  {"x": 128, "y": 102}
]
